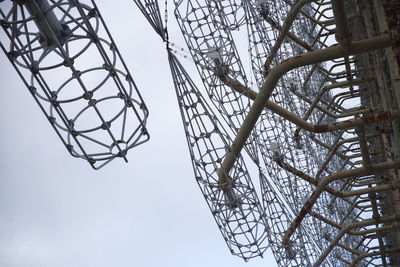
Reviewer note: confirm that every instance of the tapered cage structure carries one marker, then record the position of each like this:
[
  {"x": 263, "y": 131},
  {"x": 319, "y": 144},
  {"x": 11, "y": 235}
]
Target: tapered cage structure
[{"x": 66, "y": 57}]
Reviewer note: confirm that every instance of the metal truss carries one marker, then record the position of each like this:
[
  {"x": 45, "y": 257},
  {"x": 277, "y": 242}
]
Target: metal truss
[
  {"x": 66, "y": 57},
  {"x": 303, "y": 93},
  {"x": 234, "y": 205},
  {"x": 319, "y": 141}
]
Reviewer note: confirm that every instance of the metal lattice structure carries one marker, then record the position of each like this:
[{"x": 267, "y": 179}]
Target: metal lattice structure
[
  {"x": 319, "y": 141},
  {"x": 66, "y": 57},
  {"x": 304, "y": 93}
]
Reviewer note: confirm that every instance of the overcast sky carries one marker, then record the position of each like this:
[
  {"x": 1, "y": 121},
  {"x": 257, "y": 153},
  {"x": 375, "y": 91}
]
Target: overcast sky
[{"x": 57, "y": 211}]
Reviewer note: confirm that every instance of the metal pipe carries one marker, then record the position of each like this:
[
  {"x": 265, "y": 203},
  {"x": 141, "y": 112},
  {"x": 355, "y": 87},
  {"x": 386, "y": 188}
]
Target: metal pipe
[
  {"x": 343, "y": 35},
  {"x": 356, "y": 122},
  {"x": 362, "y": 139},
  {"x": 270, "y": 82},
  {"x": 321, "y": 93},
  {"x": 316, "y": 128},
  {"x": 330, "y": 87},
  {"x": 370, "y": 254},
  {"x": 338, "y": 193},
  {"x": 333, "y": 151},
  {"x": 358, "y": 172},
  {"x": 342, "y": 114},
  {"x": 374, "y": 189},
  {"x": 307, "y": 178},
  {"x": 384, "y": 228},
  {"x": 322, "y": 24},
  {"x": 49, "y": 27},
  {"x": 352, "y": 226},
  {"x": 375, "y": 215},
  {"x": 285, "y": 28},
  {"x": 294, "y": 38}
]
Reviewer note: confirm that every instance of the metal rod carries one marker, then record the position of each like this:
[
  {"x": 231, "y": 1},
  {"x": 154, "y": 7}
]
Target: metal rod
[
  {"x": 357, "y": 172},
  {"x": 370, "y": 254},
  {"x": 283, "y": 33},
  {"x": 272, "y": 79},
  {"x": 348, "y": 228},
  {"x": 316, "y": 128},
  {"x": 321, "y": 93}
]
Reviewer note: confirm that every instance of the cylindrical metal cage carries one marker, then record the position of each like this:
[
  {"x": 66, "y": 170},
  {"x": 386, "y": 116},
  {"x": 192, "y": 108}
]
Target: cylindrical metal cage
[{"x": 68, "y": 60}]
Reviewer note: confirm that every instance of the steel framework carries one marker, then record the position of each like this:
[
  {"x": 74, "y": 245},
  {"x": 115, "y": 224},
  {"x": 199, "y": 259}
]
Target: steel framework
[
  {"x": 66, "y": 57},
  {"x": 305, "y": 93},
  {"x": 322, "y": 130}
]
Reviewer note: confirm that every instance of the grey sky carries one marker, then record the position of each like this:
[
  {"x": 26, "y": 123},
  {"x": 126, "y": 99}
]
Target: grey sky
[{"x": 57, "y": 211}]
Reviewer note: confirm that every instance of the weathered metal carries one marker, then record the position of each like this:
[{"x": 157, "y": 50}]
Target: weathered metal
[
  {"x": 358, "y": 172},
  {"x": 312, "y": 57},
  {"x": 322, "y": 130}
]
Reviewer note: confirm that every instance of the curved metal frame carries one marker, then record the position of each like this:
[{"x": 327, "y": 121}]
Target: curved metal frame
[{"x": 68, "y": 60}]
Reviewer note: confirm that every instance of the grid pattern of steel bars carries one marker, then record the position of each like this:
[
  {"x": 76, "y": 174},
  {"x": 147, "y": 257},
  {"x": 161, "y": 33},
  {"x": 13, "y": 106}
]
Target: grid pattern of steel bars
[
  {"x": 315, "y": 113},
  {"x": 312, "y": 119}
]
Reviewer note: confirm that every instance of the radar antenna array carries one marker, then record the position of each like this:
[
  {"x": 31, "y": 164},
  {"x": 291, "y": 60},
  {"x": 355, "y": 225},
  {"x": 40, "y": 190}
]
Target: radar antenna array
[{"x": 303, "y": 93}]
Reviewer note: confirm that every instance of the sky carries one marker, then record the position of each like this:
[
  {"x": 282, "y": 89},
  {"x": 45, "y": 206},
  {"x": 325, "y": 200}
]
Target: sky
[{"x": 55, "y": 210}]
